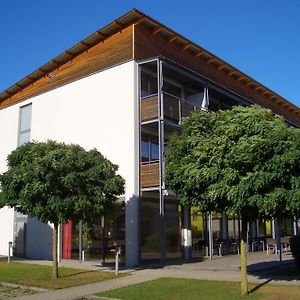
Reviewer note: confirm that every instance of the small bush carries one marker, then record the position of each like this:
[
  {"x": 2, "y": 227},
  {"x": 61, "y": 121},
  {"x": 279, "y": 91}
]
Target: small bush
[{"x": 295, "y": 248}]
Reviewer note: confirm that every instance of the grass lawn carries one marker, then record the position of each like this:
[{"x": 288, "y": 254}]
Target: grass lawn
[
  {"x": 175, "y": 289},
  {"x": 40, "y": 276}
]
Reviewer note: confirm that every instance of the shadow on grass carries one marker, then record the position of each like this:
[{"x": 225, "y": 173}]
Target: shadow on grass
[
  {"x": 256, "y": 288},
  {"x": 77, "y": 273}
]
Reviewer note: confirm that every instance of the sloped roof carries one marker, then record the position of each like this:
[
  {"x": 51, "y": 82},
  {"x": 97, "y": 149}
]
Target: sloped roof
[{"x": 136, "y": 17}]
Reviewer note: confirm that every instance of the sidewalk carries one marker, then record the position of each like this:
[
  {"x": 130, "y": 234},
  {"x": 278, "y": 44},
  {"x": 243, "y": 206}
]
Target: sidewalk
[{"x": 223, "y": 268}]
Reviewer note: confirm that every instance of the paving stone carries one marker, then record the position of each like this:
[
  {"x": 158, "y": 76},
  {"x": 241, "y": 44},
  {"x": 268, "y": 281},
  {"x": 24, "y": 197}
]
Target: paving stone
[{"x": 224, "y": 268}]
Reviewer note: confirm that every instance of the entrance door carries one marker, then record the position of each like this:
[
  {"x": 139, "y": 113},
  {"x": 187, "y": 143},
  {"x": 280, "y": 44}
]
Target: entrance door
[{"x": 20, "y": 234}]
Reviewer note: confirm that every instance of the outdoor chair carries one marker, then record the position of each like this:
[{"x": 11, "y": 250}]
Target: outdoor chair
[
  {"x": 235, "y": 246},
  {"x": 271, "y": 245},
  {"x": 258, "y": 244},
  {"x": 285, "y": 243}
]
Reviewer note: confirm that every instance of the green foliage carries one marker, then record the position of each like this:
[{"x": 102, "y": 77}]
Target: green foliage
[
  {"x": 295, "y": 248},
  {"x": 56, "y": 182},
  {"x": 244, "y": 160}
]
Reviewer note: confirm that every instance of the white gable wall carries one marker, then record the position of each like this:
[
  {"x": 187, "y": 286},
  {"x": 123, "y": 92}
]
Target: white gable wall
[
  {"x": 98, "y": 111},
  {"x": 9, "y": 119}
]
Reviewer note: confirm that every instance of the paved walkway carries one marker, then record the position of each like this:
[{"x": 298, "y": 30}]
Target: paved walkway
[{"x": 223, "y": 268}]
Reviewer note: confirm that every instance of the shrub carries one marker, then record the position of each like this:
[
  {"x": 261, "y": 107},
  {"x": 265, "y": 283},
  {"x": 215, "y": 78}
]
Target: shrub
[{"x": 295, "y": 248}]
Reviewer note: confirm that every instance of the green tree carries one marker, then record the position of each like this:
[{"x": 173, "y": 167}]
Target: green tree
[
  {"x": 244, "y": 161},
  {"x": 55, "y": 182}
]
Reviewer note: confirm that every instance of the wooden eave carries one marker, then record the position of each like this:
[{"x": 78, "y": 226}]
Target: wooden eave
[
  {"x": 136, "y": 17},
  {"x": 83, "y": 46},
  {"x": 205, "y": 56}
]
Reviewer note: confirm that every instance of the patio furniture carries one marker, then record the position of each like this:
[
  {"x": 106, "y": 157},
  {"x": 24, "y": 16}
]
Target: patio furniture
[
  {"x": 271, "y": 245},
  {"x": 285, "y": 243}
]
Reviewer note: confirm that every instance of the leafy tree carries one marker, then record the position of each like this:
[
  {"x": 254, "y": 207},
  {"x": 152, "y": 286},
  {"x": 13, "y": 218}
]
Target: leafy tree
[
  {"x": 55, "y": 182},
  {"x": 244, "y": 161}
]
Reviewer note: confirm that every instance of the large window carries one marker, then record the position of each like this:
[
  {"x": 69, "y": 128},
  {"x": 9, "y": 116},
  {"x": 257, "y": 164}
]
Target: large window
[
  {"x": 149, "y": 84},
  {"x": 20, "y": 219},
  {"x": 25, "y": 124}
]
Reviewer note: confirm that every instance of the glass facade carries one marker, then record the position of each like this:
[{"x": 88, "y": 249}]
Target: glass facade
[
  {"x": 169, "y": 93},
  {"x": 25, "y": 124},
  {"x": 95, "y": 241},
  {"x": 21, "y": 220},
  {"x": 150, "y": 226}
]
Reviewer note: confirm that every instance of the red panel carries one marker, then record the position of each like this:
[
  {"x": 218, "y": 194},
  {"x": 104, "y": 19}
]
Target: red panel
[{"x": 67, "y": 240}]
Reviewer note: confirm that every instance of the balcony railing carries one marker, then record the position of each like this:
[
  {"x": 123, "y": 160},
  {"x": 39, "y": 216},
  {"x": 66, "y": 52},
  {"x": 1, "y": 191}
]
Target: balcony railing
[
  {"x": 149, "y": 108},
  {"x": 176, "y": 108},
  {"x": 150, "y": 175}
]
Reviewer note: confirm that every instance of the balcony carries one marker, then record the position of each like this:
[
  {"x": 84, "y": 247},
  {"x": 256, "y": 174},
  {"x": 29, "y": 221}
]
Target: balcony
[
  {"x": 149, "y": 175},
  {"x": 176, "y": 108},
  {"x": 149, "y": 108}
]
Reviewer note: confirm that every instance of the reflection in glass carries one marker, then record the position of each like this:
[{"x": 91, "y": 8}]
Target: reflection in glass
[
  {"x": 150, "y": 227},
  {"x": 24, "y": 138},
  {"x": 25, "y": 117},
  {"x": 154, "y": 151},
  {"x": 172, "y": 228},
  {"x": 149, "y": 79},
  {"x": 145, "y": 151},
  {"x": 171, "y": 108}
]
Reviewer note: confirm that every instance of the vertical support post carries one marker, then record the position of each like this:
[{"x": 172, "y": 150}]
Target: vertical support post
[
  {"x": 59, "y": 243},
  {"x": 162, "y": 228},
  {"x": 186, "y": 233},
  {"x": 210, "y": 236},
  {"x": 224, "y": 227},
  {"x": 9, "y": 251},
  {"x": 117, "y": 254},
  {"x": 205, "y": 233},
  {"x": 273, "y": 229},
  {"x": 161, "y": 163},
  {"x": 80, "y": 246},
  {"x": 233, "y": 227},
  {"x": 295, "y": 225},
  {"x": 278, "y": 239},
  {"x": 102, "y": 263}
]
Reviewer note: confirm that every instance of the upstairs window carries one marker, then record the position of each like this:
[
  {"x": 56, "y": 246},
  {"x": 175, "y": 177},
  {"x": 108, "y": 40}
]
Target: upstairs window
[
  {"x": 149, "y": 151},
  {"x": 25, "y": 124},
  {"x": 148, "y": 84}
]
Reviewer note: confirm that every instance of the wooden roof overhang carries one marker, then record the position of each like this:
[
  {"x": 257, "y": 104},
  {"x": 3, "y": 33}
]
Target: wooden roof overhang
[
  {"x": 136, "y": 17},
  {"x": 220, "y": 65},
  {"x": 83, "y": 46}
]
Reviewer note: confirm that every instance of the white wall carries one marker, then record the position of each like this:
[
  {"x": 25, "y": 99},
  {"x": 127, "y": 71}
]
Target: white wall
[
  {"x": 8, "y": 141},
  {"x": 98, "y": 111}
]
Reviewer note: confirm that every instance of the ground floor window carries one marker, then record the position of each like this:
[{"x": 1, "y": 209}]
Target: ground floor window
[{"x": 95, "y": 241}]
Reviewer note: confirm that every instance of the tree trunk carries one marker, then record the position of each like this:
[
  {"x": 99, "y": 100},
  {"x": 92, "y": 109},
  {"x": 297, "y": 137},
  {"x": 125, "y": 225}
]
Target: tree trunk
[
  {"x": 54, "y": 252},
  {"x": 244, "y": 276}
]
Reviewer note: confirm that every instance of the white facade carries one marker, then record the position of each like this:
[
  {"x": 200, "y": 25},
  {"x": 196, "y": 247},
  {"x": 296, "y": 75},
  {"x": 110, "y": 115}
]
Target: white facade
[
  {"x": 98, "y": 111},
  {"x": 8, "y": 136}
]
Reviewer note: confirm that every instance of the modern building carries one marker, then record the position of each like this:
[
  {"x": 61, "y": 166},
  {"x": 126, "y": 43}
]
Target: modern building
[{"x": 123, "y": 90}]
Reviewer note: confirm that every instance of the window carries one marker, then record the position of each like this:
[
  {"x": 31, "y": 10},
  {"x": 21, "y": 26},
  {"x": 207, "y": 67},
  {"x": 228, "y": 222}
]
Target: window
[
  {"x": 145, "y": 151},
  {"x": 149, "y": 151},
  {"x": 172, "y": 89},
  {"x": 154, "y": 151},
  {"x": 148, "y": 84},
  {"x": 25, "y": 124}
]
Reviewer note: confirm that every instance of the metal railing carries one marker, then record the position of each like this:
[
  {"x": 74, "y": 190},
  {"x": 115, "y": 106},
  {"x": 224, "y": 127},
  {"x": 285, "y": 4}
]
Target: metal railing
[{"x": 176, "y": 108}]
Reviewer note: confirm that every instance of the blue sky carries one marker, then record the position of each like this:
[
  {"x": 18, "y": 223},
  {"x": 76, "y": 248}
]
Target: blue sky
[{"x": 261, "y": 38}]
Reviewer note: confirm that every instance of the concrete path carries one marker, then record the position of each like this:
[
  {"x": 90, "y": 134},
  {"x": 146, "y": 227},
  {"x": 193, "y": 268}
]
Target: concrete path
[{"x": 223, "y": 268}]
